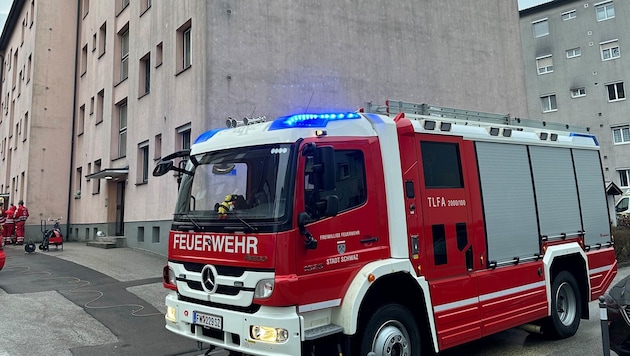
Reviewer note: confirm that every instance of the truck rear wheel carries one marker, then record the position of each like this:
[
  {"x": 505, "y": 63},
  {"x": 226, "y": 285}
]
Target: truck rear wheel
[
  {"x": 391, "y": 331},
  {"x": 566, "y": 307}
]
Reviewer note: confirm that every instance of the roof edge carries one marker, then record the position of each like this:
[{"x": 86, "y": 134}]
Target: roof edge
[
  {"x": 546, "y": 6},
  {"x": 12, "y": 19}
]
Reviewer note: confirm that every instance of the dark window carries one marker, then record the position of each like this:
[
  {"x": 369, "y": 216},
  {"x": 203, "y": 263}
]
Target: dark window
[
  {"x": 462, "y": 236},
  {"x": 441, "y": 164},
  {"x": 439, "y": 244},
  {"x": 350, "y": 179}
]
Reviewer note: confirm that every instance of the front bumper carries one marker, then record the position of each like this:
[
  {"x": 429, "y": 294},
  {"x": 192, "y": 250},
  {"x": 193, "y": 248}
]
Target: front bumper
[{"x": 235, "y": 332}]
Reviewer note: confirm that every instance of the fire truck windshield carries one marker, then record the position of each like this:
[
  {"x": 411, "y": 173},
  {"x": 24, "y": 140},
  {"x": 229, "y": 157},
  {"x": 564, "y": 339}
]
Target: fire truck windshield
[{"x": 248, "y": 187}]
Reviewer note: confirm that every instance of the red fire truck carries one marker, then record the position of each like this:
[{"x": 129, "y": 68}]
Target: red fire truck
[{"x": 394, "y": 230}]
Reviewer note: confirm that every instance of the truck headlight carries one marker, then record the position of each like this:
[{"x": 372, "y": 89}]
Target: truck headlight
[
  {"x": 264, "y": 289},
  {"x": 268, "y": 334},
  {"x": 171, "y": 314}
]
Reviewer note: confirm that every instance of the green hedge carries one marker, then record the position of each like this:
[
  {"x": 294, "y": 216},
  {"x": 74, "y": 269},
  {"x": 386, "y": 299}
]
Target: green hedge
[{"x": 621, "y": 234}]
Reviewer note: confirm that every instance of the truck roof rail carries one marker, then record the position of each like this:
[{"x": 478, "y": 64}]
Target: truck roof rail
[{"x": 424, "y": 111}]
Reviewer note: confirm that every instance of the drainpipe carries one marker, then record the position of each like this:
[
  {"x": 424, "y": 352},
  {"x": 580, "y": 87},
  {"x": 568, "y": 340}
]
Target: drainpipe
[{"x": 74, "y": 104}]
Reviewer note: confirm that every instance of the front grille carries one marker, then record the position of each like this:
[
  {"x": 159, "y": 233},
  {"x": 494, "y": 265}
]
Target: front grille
[{"x": 251, "y": 309}]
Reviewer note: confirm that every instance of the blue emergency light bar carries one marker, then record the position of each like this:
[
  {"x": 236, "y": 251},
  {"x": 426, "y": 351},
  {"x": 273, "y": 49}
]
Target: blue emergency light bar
[
  {"x": 310, "y": 120},
  {"x": 208, "y": 135}
]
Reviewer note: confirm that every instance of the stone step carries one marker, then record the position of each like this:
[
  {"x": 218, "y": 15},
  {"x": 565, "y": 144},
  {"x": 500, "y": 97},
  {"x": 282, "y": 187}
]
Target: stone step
[
  {"x": 108, "y": 242},
  {"x": 101, "y": 244}
]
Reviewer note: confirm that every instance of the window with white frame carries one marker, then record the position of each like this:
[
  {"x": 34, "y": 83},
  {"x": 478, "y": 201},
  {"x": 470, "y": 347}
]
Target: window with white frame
[
  {"x": 574, "y": 52},
  {"x": 621, "y": 134},
  {"x": 143, "y": 162},
  {"x": 605, "y": 10},
  {"x": 96, "y": 185},
  {"x": 124, "y": 55},
  {"x": 184, "y": 46},
  {"x": 610, "y": 50},
  {"x": 549, "y": 103},
  {"x": 578, "y": 92},
  {"x": 544, "y": 64},
  {"x": 624, "y": 177},
  {"x": 183, "y": 137},
  {"x": 569, "y": 15},
  {"x": 540, "y": 28},
  {"x": 122, "y": 129},
  {"x": 616, "y": 91}
]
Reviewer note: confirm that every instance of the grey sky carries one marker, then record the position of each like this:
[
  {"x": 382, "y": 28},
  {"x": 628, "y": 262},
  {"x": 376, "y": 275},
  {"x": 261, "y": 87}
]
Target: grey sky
[
  {"x": 524, "y": 4},
  {"x": 5, "y": 6}
]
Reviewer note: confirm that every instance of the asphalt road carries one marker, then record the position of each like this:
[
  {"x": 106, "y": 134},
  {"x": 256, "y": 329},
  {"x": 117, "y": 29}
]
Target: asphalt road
[
  {"x": 52, "y": 306},
  {"x": 90, "y": 301}
]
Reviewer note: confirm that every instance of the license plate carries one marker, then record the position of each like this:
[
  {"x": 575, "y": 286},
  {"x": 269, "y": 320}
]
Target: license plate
[{"x": 207, "y": 320}]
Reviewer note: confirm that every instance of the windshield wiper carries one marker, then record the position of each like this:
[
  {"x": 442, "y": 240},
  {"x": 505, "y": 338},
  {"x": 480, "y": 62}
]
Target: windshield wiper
[{"x": 249, "y": 226}]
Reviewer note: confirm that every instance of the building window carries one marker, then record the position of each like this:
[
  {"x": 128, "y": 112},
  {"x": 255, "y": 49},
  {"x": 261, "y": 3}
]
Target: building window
[
  {"x": 99, "y": 106},
  {"x": 121, "y": 5},
  {"x": 578, "y": 92},
  {"x": 157, "y": 147},
  {"x": 540, "y": 28},
  {"x": 122, "y": 129},
  {"x": 574, "y": 52},
  {"x": 86, "y": 7},
  {"x": 102, "y": 33},
  {"x": 621, "y": 134},
  {"x": 184, "y": 46},
  {"x": 569, "y": 15},
  {"x": 549, "y": 103},
  {"x": 25, "y": 129},
  {"x": 158, "y": 55},
  {"x": 124, "y": 55},
  {"x": 96, "y": 186},
  {"x": 143, "y": 162},
  {"x": 78, "y": 182},
  {"x": 144, "y": 6},
  {"x": 84, "y": 54},
  {"x": 615, "y": 91},
  {"x": 544, "y": 64},
  {"x": 28, "y": 68},
  {"x": 610, "y": 50},
  {"x": 183, "y": 137},
  {"x": 144, "y": 80},
  {"x": 605, "y": 11},
  {"x": 81, "y": 123},
  {"x": 624, "y": 177}
]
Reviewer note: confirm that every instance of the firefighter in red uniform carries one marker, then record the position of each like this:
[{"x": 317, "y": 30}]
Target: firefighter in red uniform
[
  {"x": 9, "y": 225},
  {"x": 3, "y": 218},
  {"x": 20, "y": 216}
]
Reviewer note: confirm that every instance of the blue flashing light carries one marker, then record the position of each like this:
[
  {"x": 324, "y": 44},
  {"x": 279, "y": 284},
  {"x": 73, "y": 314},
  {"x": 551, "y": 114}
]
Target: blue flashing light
[
  {"x": 310, "y": 120},
  {"x": 575, "y": 134},
  {"x": 208, "y": 135}
]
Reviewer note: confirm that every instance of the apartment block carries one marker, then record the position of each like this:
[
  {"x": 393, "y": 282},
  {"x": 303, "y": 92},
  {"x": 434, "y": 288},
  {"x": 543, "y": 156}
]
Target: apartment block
[
  {"x": 133, "y": 80},
  {"x": 577, "y": 69}
]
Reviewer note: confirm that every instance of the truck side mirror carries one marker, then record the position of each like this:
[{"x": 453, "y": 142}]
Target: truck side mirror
[{"x": 162, "y": 168}]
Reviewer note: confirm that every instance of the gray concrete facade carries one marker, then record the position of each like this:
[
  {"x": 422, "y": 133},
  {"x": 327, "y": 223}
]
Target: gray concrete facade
[
  {"x": 251, "y": 58},
  {"x": 588, "y": 55}
]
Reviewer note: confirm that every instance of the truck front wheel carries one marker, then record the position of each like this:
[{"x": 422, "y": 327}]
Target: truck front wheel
[
  {"x": 391, "y": 331},
  {"x": 565, "y": 307}
]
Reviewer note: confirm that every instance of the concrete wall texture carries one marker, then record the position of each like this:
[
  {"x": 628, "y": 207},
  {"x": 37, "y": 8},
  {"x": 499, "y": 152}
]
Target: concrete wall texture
[{"x": 247, "y": 58}]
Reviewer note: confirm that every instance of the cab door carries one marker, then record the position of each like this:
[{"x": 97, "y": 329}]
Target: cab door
[
  {"x": 356, "y": 235},
  {"x": 447, "y": 230}
]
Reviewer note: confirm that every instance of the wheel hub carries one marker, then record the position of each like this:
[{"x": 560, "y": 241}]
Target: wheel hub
[{"x": 391, "y": 341}]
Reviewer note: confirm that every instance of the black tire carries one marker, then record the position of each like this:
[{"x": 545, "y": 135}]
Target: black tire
[
  {"x": 566, "y": 307},
  {"x": 392, "y": 330}
]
